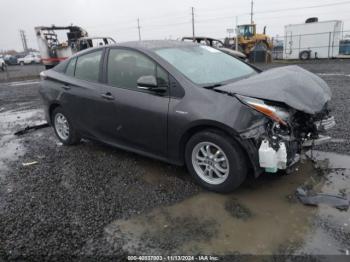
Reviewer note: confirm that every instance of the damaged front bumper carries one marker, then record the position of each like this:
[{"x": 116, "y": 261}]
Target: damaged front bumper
[{"x": 279, "y": 147}]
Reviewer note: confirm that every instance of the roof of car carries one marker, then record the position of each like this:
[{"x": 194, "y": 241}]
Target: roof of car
[
  {"x": 155, "y": 44},
  {"x": 146, "y": 45},
  {"x": 200, "y": 38}
]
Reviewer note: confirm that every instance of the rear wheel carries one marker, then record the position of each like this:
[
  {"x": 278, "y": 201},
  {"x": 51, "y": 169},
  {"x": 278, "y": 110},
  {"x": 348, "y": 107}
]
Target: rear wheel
[
  {"x": 304, "y": 55},
  {"x": 64, "y": 127},
  {"x": 215, "y": 161}
]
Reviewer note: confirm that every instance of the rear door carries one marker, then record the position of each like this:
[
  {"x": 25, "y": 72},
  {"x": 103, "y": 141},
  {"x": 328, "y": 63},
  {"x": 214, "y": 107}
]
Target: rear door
[
  {"x": 140, "y": 116},
  {"x": 82, "y": 97}
]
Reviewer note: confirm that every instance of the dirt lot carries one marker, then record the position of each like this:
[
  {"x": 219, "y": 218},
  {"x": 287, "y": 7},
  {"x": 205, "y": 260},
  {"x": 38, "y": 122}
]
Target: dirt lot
[{"x": 94, "y": 201}]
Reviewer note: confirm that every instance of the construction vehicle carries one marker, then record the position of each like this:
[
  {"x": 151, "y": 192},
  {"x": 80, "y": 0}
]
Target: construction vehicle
[
  {"x": 53, "y": 49},
  {"x": 248, "y": 39}
]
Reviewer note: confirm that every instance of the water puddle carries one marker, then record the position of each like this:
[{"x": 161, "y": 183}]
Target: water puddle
[
  {"x": 11, "y": 146},
  {"x": 12, "y": 119},
  {"x": 330, "y": 233},
  {"x": 262, "y": 217},
  {"x": 255, "y": 219}
]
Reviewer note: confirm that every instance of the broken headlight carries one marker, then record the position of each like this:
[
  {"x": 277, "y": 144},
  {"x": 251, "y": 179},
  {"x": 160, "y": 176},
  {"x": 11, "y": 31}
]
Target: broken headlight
[{"x": 276, "y": 113}]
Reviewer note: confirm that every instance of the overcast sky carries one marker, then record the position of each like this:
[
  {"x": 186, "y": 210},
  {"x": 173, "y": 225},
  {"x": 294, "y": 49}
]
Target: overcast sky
[{"x": 159, "y": 19}]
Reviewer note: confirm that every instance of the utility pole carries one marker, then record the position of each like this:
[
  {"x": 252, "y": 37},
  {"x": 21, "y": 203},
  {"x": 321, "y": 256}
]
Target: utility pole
[
  {"x": 24, "y": 40},
  {"x": 237, "y": 34},
  {"x": 193, "y": 34},
  {"x": 251, "y": 11},
  {"x": 139, "y": 28}
]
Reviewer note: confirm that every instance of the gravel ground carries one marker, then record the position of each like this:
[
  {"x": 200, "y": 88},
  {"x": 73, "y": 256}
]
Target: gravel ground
[{"x": 84, "y": 200}]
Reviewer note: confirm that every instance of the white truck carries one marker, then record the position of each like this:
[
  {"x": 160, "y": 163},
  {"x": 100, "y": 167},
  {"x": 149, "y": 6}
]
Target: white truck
[
  {"x": 312, "y": 40},
  {"x": 53, "y": 49}
]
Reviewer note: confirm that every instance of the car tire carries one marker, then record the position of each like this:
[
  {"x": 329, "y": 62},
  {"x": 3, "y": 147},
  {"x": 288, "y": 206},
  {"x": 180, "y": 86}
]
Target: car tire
[
  {"x": 304, "y": 55},
  {"x": 230, "y": 162},
  {"x": 64, "y": 128}
]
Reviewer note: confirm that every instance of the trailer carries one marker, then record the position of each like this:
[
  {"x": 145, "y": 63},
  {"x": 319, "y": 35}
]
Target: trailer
[
  {"x": 312, "y": 40},
  {"x": 57, "y": 43}
]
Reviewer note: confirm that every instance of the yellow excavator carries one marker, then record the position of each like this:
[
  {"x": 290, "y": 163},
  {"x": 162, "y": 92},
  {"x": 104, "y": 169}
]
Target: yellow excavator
[{"x": 248, "y": 39}]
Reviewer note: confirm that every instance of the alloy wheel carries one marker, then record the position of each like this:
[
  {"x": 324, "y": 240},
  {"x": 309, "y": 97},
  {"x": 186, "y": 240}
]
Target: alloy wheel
[
  {"x": 62, "y": 126},
  {"x": 210, "y": 163}
]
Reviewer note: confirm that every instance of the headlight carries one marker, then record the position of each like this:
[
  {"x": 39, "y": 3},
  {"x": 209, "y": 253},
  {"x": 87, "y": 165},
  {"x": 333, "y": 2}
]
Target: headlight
[
  {"x": 277, "y": 114},
  {"x": 42, "y": 75}
]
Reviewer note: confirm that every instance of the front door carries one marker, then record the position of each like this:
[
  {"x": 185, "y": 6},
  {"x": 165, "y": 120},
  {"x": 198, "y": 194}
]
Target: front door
[{"x": 139, "y": 118}]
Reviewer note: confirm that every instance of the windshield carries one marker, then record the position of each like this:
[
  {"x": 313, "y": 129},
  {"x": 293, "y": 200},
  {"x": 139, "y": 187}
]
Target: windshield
[
  {"x": 205, "y": 65},
  {"x": 246, "y": 30}
]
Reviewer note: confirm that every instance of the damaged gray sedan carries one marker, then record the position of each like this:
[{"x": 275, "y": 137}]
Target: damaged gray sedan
[{"x": 188, "y": 104}]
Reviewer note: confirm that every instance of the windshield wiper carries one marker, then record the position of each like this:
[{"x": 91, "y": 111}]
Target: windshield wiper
[{"x": 212, "y": 86}]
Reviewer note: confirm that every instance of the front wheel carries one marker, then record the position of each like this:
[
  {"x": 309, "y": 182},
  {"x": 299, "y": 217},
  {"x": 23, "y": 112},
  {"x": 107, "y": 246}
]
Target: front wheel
[
  {"x": 64, "y": 128},
  {"x": 215, "y": 161}
]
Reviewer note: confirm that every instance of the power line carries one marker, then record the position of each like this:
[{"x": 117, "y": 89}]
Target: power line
[
  {"x": 305, "y": 7},
  {"x": 223, "y": 17},
  {"x": 273, "y": 11}
]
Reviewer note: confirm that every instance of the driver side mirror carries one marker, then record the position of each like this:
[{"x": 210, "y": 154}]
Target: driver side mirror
[{"x": 149, "y": 83}]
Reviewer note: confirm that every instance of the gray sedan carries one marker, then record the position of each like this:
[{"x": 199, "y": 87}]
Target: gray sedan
[{"x": 184, "y": 103}]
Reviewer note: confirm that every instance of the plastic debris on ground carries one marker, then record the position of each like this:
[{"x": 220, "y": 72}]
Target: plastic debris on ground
[
  {"x": 29, "y": 128},
  {"x": 30, "y": 163},
  {"x": 315, "y": 199}
]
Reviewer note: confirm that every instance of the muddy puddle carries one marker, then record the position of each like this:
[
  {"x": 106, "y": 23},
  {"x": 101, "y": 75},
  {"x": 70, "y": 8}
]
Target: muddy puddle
[
  {"x": 11, "y": 121},
  {"x": 262, "y": 217}
]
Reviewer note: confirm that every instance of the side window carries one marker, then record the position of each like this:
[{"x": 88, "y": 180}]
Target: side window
[
  {"x": 126, "y": 66},
  {"x": 162, "y": 77},
  {"x": 88, "y": 66},
  {"x": 71, "y": 67}
]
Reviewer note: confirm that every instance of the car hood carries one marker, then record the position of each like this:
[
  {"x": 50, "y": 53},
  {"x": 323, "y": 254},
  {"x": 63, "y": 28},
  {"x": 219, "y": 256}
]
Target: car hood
[{"x": 292, "y": 85}]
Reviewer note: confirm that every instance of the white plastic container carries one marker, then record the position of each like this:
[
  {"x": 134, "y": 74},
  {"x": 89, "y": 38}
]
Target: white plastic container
[
  {"x": 282, "y": 156},
  {"x": 268, "y": 157}
]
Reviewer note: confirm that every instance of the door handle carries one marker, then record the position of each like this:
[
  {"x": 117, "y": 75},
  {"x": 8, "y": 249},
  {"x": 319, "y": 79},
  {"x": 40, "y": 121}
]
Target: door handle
[
  {"x": 107, "y": 96},
  {"x": 66, "y": 86}
]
